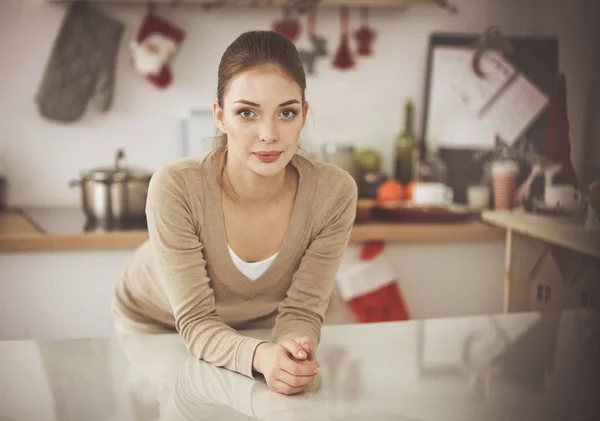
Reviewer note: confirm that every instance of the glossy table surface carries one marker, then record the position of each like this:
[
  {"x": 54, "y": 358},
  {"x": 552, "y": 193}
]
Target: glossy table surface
[{"x": 526, "y": 366}]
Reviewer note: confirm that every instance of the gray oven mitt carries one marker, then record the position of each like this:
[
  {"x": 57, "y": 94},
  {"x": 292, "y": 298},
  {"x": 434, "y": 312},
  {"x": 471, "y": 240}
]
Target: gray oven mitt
[{"x": 82, "y": 63}]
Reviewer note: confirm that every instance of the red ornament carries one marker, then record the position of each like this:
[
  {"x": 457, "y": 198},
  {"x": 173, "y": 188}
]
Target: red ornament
[
  {"x": 343, "y": 58},
  {"x": 364, "y": 35},
  {"x": 287, "y": 26}
]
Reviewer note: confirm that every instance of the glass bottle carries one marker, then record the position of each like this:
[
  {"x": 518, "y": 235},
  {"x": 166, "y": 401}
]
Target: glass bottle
[{"x": 406, "y": 150}]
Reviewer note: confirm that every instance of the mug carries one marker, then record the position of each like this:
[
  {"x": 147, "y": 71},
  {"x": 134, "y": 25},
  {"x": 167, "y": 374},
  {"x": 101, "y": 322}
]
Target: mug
[
  {"x": 563, "y": 196},
  {"x": 432, "y": 194},
  {"x": 478, "y": 197}
]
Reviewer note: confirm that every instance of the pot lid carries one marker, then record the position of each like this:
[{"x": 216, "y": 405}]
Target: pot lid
[{"x": 118, "y": 172}]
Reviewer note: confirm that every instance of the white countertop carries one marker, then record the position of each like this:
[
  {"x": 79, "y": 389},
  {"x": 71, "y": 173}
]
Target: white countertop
[{"x": 505, "y": 367}]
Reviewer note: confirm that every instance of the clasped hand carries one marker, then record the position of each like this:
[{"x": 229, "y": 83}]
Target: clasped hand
[{"x": 288, "y": 367}]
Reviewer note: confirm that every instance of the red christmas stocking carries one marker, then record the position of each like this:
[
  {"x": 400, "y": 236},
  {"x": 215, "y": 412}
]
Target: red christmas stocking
[
  {"x": 370, "y": 288},
  {"x": 156, "y": 43}
]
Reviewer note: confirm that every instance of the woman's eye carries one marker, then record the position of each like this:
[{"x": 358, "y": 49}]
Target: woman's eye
[
  {"x": 288, "y": 114},
  {"x": 246, "y": 113}
]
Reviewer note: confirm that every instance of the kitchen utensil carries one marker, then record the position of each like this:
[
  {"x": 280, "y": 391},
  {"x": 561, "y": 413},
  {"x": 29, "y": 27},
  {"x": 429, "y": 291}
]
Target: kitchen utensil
[
  {"x": 563, "y": 196},
  {"x": 114, "y": 193},
  {"x": 478, "y": 197}
]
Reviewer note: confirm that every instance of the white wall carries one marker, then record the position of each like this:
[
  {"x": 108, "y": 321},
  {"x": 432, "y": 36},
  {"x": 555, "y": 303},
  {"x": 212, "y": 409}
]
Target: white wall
[{"x": 362, "y": 106}]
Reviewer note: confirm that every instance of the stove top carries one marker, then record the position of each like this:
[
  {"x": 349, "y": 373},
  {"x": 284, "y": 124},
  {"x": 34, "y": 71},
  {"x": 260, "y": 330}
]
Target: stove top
[{"x": 64, "y": 221}]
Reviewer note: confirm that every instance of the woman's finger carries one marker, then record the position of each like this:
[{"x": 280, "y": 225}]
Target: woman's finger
[
  {"x": 284, "y": 388},
  {"x": 305, "y": 342},
  {"x": 294, "y": 381},
  {"x": 299, "y": 368},
  {"x": 295, "y": 349},
  {"x": 307, "y": 345}
]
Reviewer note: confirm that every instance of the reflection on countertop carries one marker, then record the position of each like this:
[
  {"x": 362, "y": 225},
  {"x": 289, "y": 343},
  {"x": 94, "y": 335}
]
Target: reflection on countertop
[
  {"x": 527, "y": 366},
  {"x": 71, "y": 221}
]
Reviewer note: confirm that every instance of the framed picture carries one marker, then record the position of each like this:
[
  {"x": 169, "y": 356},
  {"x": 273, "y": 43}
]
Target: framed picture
[{"x": 198, "y": 132}]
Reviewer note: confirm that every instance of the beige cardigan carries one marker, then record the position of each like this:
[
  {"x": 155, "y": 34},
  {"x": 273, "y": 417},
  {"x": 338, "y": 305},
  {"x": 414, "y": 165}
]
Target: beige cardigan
[{"x": 183, "y": 277}]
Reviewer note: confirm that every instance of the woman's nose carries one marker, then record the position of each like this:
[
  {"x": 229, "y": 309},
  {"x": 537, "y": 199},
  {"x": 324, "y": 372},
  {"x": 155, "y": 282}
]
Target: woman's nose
[{"x": 268, "y": 132}]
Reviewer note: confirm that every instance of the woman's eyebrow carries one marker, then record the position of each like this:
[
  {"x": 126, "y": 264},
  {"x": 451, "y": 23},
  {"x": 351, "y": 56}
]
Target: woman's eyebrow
[{"x": 254, "y": 104}]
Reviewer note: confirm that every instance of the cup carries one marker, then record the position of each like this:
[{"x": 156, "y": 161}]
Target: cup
[
  {"x": 563, "y": 197},
  {"x": 432, "y": 194},
  {"x": 478, "y": 197},
  {"x": 504, "y": 180}
]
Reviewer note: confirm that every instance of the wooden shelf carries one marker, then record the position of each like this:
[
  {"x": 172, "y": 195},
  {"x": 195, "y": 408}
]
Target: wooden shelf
[
  {"x": 17, "y": 234},
  {"x": 425, "y": 233},
  {"x": 560, "y": 231},
  {"x": 269, "y": 3}
]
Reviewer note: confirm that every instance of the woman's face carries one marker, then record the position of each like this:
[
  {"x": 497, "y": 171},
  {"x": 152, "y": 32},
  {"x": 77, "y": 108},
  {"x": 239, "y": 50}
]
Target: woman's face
[{"x": 262, "y": 115}]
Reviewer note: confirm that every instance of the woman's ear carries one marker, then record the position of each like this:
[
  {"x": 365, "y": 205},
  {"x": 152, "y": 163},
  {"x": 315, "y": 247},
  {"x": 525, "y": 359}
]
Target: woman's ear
[
  {"x": 218, "y": 116},
  {"x": 304, "y": 112}
]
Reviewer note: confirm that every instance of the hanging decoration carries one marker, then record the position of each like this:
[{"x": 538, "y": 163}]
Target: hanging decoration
[
  {"x": 303, "y": 6},
  {"x": 364, "y": 35},
  {"x": 319, "y": 42},
  {"x": 309, "y": 45},
  {"x": 152, "y": 50},
  {"x": 343, "y": 58},
  {"x": 287, "y": 26}
]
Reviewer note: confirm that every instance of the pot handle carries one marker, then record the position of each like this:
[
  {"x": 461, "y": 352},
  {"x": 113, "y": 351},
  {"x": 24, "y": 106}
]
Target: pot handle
[
  {"x": 74, "y": 183},
  {"x": 120, "y": 159}
]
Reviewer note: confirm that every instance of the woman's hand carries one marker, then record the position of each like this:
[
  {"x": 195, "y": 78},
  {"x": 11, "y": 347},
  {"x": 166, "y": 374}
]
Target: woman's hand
[
  {"x": 306, "y": 343},
  {"x": 286, "y": 366}
]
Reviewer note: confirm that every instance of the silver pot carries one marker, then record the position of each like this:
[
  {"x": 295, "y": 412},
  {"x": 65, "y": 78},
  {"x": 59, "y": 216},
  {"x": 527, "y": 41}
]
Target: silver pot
[{"x": 114, "y": 193}]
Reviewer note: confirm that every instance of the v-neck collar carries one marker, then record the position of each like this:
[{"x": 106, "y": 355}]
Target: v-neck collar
[{"x": 292, "y": 245}]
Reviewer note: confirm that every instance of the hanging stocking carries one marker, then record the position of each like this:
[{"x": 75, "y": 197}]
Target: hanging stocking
[
  {"x": 287, "y": 25},
  {"x": 364, "y": 35},
  {"x": 370, "y": 288},
  {"x": 343, "y": 58},
  {"x": 156, "y": 43}
]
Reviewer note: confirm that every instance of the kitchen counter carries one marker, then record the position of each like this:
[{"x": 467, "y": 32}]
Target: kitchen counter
[
  {"x": 526, "y": 366},
  {"x": 44, "y": 229}
]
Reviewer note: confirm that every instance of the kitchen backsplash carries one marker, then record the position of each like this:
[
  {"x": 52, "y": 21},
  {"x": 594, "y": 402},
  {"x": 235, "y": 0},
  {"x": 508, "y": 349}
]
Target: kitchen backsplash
[{"x": 361, "y": 106}]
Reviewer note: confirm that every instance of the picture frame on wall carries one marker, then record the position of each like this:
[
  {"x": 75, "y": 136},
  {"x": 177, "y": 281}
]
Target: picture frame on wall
[
  {"x": 535, "y": 57},
  {"x": 198, "y": 132}
]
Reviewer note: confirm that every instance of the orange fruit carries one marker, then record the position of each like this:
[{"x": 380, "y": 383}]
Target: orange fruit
[
  {"x": 390, "y": 191},
  {"x": 408, "y": 190}
]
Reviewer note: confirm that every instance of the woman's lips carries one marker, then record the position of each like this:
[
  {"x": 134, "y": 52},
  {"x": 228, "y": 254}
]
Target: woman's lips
[{"x": 267, "y": 156}]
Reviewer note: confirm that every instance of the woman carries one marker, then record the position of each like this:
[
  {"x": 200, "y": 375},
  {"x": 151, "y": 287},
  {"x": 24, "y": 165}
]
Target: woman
[{"x": 250, "y": 235}]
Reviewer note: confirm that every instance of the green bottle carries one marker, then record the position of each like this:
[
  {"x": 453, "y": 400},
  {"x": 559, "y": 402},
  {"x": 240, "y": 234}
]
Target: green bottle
[{"x": 406, "y": 148}]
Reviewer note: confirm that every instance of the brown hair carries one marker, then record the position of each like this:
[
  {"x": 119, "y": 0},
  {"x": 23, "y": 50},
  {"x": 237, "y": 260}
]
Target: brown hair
[{"x": 255, "y": 49}]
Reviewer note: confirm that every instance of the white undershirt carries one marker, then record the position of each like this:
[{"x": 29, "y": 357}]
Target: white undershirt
[{"x": 251, "y": 270}]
